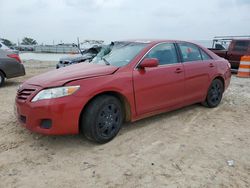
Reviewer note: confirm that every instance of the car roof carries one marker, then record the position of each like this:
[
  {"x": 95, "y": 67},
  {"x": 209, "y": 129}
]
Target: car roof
[
  {"x": 240, "y": 39},
  {"x": 153, "y": 41}
]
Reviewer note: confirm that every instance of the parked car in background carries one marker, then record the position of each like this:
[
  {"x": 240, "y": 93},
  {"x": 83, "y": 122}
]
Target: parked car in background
[
  {"x": 26, "y": 48},
  {"x": 86, "y": 55},
  {"x": 135, "y": 80},
  {"x": 3, "y": 46},
  {"x": 10, "y": 64},
  {"x": 232, "y": 48}
]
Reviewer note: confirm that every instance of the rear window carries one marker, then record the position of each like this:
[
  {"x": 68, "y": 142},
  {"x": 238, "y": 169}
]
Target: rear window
[
  {"x": 190, "y": 52},
  {"x": 204, "y": 55},
  {"x": 241, "y": 46}
]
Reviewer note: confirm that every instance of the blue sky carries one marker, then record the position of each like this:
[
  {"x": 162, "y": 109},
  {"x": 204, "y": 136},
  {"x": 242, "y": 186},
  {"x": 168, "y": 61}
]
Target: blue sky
[{"x": 65, "y": 20}]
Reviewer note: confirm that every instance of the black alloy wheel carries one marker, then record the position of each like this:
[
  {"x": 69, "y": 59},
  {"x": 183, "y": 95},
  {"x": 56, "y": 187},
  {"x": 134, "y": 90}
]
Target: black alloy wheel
[
  {"x": 102, "y": 119},
  {"x": 214, "y": 94},
  {"x": 108, "y": 120},
  {"x": 2, "y": 79}
]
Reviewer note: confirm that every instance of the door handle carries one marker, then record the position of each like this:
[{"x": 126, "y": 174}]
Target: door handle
[
  {"x": 211, "y": 65},
  {"x": 178, "y": 70}
]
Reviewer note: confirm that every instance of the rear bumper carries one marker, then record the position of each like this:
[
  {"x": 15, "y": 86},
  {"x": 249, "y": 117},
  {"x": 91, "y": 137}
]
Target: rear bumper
[
  {"x": 19, "y": 71},
  {"x": 62, "y": 113}
]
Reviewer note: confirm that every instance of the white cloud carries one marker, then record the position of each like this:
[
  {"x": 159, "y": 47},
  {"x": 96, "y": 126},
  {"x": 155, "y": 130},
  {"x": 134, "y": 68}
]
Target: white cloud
[
  {"x": 65, "y": 20},
  {"x": 108, "y": 3}
]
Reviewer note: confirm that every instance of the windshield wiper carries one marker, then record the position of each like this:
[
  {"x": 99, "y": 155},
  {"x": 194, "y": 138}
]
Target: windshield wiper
[{"x": 105, "y": 60}]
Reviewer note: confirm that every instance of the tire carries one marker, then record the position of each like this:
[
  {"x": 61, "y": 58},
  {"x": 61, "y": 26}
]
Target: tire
[
  {"x": 102, "y": 119},
  {"x": 2, "y": 79},
  {"x": 214, "y": 94}
]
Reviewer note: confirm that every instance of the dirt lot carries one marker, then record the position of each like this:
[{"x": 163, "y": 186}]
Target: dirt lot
[{"x": 189, "y": 147}]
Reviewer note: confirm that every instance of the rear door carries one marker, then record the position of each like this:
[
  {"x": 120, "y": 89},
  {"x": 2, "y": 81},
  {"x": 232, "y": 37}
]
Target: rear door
[
  {"x": 199, "y": 67},
  {"x": 158, "y": 88}
]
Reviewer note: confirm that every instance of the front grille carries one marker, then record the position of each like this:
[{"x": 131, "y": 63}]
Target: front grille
[{"x": 24, "y": 94}]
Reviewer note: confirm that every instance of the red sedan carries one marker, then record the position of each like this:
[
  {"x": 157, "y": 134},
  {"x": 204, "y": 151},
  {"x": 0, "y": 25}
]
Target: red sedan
[{"x": 135, "y": 80}]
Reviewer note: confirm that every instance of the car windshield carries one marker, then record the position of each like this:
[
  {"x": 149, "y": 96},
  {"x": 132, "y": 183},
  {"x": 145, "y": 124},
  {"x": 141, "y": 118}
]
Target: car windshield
[{"x": 120, "y": 54}]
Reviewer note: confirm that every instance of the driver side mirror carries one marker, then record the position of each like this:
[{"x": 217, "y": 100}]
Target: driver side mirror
[{"x": 149, "y": 62}]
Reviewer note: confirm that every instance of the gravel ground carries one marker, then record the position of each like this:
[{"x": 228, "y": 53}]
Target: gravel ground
[{"x": 190, "y": 147}]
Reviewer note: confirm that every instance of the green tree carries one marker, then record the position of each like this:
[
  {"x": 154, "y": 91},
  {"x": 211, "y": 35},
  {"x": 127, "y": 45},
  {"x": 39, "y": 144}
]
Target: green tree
[
  {"x": 7, "y": 42},
  {"x": 28, "y": 41}
]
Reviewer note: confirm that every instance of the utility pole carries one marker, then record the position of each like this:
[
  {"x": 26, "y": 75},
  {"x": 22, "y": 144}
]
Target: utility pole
[{"x": 78, "y": 43}]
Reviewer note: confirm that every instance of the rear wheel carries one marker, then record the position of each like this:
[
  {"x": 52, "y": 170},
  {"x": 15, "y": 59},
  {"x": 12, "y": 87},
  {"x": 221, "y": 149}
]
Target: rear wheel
[
  {"x": 2, "y": 78},
  {"x": 102, "y": 119},
  {"x": 214, "y": 94}
]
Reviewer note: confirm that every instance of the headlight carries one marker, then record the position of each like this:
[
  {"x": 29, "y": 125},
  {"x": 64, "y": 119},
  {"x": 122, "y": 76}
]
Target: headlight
[{"x": 55, "y": 93}]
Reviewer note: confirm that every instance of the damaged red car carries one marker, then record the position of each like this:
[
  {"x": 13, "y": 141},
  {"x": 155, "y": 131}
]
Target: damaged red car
[{"x": 135, "y": 80}]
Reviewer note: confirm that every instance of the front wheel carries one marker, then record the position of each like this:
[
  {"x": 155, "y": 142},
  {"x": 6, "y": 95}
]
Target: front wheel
[
  {"x": 214, "y": 94},
  {"x": 102, "y": 119},
  {"x": 2, "y": 78}
]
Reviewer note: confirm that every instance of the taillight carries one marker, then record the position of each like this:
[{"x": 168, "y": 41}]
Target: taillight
[{"x": 15, "y": 56}]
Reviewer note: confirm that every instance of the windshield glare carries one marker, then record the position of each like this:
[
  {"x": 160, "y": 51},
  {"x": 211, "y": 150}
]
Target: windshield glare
[{"x": 120, "y": 55}]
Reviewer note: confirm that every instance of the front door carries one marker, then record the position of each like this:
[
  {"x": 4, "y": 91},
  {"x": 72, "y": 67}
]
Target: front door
[{"x": 158, "y": 88}]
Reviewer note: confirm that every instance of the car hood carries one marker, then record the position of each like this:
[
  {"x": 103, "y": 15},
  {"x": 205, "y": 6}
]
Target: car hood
[{"x": 60, "y": 76}]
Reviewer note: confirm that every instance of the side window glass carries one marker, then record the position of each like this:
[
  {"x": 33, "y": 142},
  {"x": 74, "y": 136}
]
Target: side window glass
[
  {"x": 165, "y": 53},
  {"x": 241, "y": 46},
  {"x": 204, "y": 55},
  {"x": 190, "y": 52},
  {"x": 0, "y": 45}
]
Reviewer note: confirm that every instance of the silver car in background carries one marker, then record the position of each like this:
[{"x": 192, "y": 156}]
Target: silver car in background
[{"x": 10, "y": 64}]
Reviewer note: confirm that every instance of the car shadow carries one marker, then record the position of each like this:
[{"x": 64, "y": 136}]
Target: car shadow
[
  {"x": 153, "y": 119},
  {"x": 10, "y": 83},
  {"x": 81, "y": 141}
]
